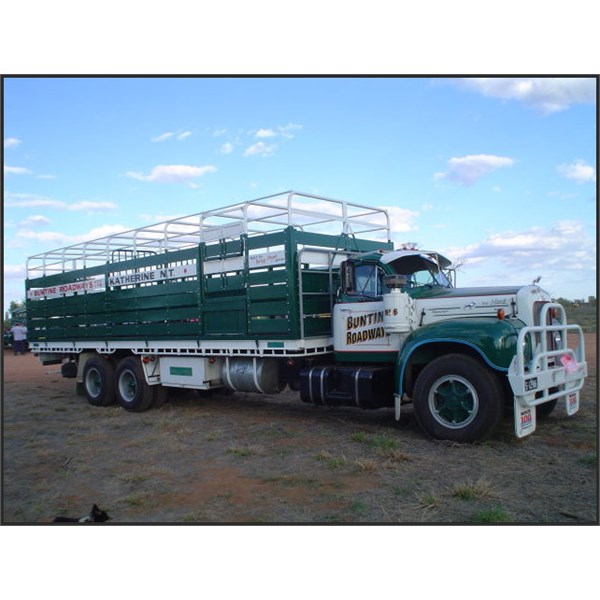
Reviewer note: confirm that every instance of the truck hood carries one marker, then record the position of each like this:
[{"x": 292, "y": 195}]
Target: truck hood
[
  {"x": 437, "y": 303},
  {"x": 424, "y": 292}
]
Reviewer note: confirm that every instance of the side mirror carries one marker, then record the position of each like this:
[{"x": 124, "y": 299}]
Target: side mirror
[{"x": 348, "y": 277}]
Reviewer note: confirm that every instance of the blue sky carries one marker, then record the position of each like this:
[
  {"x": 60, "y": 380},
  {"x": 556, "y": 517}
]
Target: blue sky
[{"x": 497, "y": 173}]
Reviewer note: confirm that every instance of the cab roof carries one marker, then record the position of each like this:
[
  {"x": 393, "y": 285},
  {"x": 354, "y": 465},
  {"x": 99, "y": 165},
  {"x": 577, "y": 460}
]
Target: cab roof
[{"x": 409, "y": 261}]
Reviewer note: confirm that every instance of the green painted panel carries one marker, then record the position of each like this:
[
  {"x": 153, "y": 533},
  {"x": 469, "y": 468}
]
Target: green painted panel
[
  {"x": 242, "y": 305},
  {"x": 315, "y": 282},
  {"x": 317, "y": 327},
  {"x": 316, "y": 304},
  {"x": 224, "y": 249},
  {"x": 213, "y": 284},
  {"x": 181, "y": 371},
  {"x": 263, "y": 326},
  {"x": 225, "y": 316},
  {"x": 160, "y": 289},
  {"x": 268, "y": 292},
  {"x": 185, "y": 329},
  {"x": 267, "y": 308},
  {"x": 95, "y": 303},
  {"x": 268, "y": 240},
  {"x": 157, "y": 260},
  {"x": 220, "y": 283},
  {"x": 494, "y": 339},
  {"x": 268, "y": 277}
]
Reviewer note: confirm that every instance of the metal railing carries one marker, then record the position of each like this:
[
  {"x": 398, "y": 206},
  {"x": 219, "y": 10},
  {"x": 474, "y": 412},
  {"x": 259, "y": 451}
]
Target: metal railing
[
  {"x": 268, "y": 214},
  {"x": 548, "y": 365}
]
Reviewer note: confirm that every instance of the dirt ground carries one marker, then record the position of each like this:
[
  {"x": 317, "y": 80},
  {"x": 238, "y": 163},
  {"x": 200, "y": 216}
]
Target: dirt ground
[{"x": 245, "y": 458}]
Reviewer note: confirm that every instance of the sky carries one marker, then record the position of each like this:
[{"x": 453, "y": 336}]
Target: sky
[{"x": 498, "y": 174}]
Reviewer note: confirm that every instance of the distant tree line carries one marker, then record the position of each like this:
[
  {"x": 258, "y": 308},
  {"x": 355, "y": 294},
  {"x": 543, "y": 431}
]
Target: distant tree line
[{"x": 591, "y": 301}]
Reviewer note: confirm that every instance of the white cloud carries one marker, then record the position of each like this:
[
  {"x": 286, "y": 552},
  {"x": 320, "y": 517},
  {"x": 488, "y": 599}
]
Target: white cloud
[
  {"x": 57, "y": 238},
  {"x": 286, "y": 130},
  {"x": 34, "y": 201},
  {"x": 551, "y": 250},
  {"x": 178, "y": 135},
  {"x": 45, "y": 176},
  {"x": 466, "y": 170},
  {"x": 402, "y": 220},
  {"x": 578, "y": 171},
  {"x": 16, "y": 170},
  {"x": 35, "y": 221},
  {"x": 162, "y": 137},
  {"x": 159, "y": 218},
  {"x": 219, "y": 132},
  {"x": 226, "y": 148},
  {"x": 546, "y": 94},
  {"x": 99, "y": 232},
  {"x": 265, "y": 133},
  {"x": 260, "y": 149},
  {"x": 46, "y": 237},
  {"x": 14, "y": 271},
  {"x": 11, "y": 142},
  {"x": 173, "y": 173},
  {"x": 91, "y": 206}
]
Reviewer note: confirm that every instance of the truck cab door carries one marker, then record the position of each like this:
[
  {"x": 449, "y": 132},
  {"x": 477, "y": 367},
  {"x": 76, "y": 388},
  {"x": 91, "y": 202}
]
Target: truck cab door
[
  {"x": 361, "y": 281},
  {"x": 358, "y": 316}
]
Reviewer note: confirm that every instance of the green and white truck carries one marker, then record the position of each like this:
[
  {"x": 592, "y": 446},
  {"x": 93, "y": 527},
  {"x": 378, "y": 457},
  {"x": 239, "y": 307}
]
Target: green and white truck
[{"x": 307, "y": 292}]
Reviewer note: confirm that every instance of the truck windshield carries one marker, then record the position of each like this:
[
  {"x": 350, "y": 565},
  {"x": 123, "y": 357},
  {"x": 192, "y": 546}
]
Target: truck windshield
[
  {"x": 420, "y": 269},
  {"x": 429, "y": 277}
]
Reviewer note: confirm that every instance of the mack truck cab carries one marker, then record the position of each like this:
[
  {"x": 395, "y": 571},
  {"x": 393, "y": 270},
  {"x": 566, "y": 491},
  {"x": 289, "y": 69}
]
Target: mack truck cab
[{"x": 462, "y": 356}]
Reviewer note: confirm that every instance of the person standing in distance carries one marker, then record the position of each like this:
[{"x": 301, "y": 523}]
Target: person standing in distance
[{"x": 19, "y": 332}]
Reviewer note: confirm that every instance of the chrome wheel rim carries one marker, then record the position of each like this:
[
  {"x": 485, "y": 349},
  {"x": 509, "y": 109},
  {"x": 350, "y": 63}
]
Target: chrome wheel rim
[
  {"x": 453, "y": 401},
  {"x": 127, "y": 386},
  {"x": 93, "y": 383}
]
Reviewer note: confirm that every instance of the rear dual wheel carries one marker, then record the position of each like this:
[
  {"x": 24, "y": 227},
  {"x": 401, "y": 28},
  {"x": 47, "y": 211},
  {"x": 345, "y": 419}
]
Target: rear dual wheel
[{"x": 103, "y": 384}]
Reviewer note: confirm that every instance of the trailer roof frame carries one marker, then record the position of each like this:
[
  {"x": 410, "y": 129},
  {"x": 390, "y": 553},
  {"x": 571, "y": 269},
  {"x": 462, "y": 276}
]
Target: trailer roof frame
[{"x": 268, "y": 214}]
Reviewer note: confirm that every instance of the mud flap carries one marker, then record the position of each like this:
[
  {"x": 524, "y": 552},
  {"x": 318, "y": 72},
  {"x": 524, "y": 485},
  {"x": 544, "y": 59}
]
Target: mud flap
[
  {"x": 572, "y": 403},
  {"x": 525, "y": 421}
]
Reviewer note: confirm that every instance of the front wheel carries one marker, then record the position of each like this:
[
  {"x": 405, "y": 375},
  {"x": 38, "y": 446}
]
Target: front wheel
[
  {"x": 457, "y": 398},
  {"x": 133, "y": 393},
  {"x": 544, "y": 410}
]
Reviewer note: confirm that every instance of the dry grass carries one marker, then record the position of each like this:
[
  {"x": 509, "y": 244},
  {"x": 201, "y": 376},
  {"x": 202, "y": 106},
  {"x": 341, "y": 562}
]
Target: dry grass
[
  {"x": 248, "y": 450},
  {"x": 481, "y": 489},
  {"x": 368, "y": 465}
]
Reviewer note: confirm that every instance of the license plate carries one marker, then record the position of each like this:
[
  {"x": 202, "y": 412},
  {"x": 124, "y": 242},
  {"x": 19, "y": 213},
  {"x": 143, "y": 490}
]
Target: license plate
[{"x": 531, "y": 384}]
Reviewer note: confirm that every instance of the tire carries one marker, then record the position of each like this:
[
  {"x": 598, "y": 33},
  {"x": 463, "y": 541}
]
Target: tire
[
  {"x": 457, "y": 398},
  {"x": 543, "y": 410},
  {"x": 133, "y": 393},
  {"x": 294, "y": 385},
  {"x": 99, "y": 381}
]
